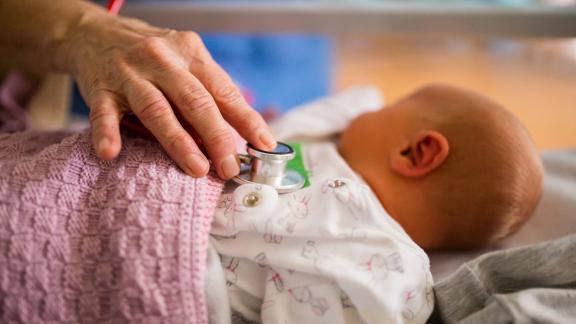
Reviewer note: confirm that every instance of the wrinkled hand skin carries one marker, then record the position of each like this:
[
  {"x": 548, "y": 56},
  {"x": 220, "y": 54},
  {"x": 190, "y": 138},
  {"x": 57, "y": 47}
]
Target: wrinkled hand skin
[{"x": 124, "y": 65}]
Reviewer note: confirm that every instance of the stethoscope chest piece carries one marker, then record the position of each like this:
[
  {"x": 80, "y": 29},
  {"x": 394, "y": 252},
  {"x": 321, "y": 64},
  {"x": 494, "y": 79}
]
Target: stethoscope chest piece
[{"x": 269, "y": 168}]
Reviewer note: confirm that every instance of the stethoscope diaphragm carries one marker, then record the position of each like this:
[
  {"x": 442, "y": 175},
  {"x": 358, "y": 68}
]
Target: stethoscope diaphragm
[{"x": 269, "y": 168}]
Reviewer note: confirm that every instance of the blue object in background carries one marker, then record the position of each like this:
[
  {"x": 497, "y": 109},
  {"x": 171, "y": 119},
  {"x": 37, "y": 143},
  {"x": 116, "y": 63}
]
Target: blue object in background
[{"x": 279, "y": 70}]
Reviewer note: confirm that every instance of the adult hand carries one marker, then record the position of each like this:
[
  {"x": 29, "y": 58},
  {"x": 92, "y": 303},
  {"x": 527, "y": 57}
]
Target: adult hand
[{"x": 125, "y": 65}]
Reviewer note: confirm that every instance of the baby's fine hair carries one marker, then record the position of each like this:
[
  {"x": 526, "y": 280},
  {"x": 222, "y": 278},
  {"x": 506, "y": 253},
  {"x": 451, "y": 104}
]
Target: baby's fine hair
[{"x": 491, "y": 181}]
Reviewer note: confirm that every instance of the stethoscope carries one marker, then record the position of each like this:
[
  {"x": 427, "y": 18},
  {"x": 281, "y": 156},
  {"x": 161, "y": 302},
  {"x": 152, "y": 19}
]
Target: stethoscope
[{"x": 269, "y": 168}]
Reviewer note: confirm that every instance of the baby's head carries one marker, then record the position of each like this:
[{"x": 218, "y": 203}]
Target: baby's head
[{"x": 455, "y": 169}]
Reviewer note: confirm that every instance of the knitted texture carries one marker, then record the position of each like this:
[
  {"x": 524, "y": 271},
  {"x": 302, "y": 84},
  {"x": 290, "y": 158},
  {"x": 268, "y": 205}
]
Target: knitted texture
[{"x": 85, "y": 240}]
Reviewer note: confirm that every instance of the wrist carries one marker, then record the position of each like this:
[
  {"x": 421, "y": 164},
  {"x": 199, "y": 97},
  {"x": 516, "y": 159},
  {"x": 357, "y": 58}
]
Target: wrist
[{"x": 74, "y": 35}]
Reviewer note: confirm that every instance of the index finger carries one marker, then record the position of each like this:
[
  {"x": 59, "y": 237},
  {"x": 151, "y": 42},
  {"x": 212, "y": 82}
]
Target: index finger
[
  {"x": 233, "y": 106},
  {"x": 198, "y": 108}
]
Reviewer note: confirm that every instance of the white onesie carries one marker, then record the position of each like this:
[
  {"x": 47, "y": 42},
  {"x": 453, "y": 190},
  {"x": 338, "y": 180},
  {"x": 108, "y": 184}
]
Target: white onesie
[{"x": 328, "y": 253}]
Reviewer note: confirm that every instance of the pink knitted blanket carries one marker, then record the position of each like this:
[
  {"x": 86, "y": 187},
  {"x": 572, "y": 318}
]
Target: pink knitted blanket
[{"x": 84, "y": 240}]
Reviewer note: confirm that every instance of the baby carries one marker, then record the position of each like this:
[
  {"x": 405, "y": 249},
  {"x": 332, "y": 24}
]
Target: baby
[
  {"x": 445, "y": 168},
  {"x": 455, "y": 169}
]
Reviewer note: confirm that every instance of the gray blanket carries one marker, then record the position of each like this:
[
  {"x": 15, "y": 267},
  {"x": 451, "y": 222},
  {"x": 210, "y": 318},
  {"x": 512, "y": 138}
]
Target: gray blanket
[{"x": 534, "y": 284}]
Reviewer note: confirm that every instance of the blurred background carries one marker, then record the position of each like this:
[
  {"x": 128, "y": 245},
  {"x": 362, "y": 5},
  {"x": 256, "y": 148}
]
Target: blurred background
[{"x": 521, "y": 53}]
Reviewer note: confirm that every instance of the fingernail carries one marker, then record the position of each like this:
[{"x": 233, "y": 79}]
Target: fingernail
[
  {"x": 229, "y": 166},
  {"x": 197, "y": 164},
  {"x": 267, "y": 138},
  {"x": 103, "y": 145}
]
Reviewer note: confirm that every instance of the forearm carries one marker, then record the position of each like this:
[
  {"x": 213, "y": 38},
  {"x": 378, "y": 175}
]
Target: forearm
[{"x": 43, "y": 28}]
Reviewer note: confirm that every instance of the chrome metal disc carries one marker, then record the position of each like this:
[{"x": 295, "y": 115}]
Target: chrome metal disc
[{"x": 291, "y": 181}]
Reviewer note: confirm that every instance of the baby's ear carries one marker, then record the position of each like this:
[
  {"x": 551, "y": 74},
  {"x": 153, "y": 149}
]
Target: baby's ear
[{"x": 422, "y": 154}]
